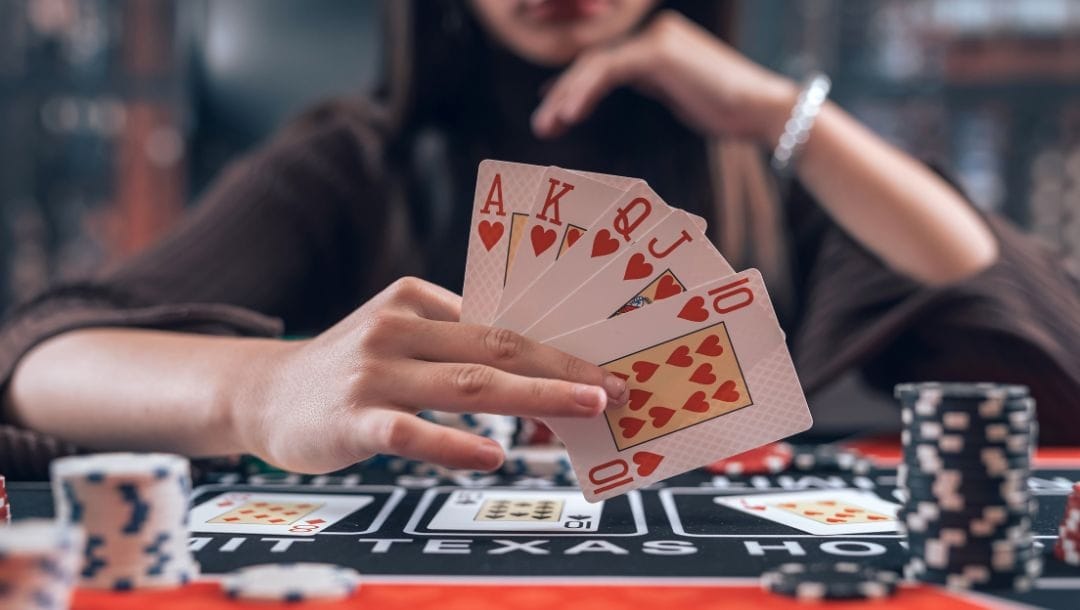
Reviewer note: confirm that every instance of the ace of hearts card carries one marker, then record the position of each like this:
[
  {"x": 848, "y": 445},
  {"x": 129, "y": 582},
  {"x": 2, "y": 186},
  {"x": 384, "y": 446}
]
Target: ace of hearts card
[
  {"x": 709, "y": 375},
  {"x": 502, "y": 202}
]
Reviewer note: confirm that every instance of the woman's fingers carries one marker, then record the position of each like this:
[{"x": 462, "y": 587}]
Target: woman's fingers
[
  {"x": 582, "y": 86},
  {"x": 379, "y": 430},
  {"x": 477, "y": 388},
  {"x": 508, "y": 351},
  {"x": 425, "y": 299}
]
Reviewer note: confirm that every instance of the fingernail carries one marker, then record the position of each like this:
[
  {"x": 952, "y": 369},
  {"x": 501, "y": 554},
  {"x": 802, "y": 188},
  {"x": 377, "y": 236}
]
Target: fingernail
[
  {"x": 489, "y": 454},
  {"x": 615, "y": 387},
  {"x": 590, "y": 396}
]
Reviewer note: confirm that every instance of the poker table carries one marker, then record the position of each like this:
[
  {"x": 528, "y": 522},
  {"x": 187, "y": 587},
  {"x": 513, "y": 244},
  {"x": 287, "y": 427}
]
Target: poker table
[{"x": 670, "y": 545}]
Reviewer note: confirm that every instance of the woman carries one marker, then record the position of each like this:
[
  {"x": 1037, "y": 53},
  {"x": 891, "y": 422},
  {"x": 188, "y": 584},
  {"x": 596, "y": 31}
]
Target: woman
[{"x": 873, "y": 257}]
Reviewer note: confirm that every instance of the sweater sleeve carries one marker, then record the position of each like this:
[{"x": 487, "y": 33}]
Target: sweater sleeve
[
  {"x": 276, "y": 245},
  {"x": 1017, "y": 321}
]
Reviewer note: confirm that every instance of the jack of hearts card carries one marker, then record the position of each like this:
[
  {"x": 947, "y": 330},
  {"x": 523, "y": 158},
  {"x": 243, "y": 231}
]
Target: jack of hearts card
[
  {"x": 672, "y": 257},
  {"x": 290, "y": 514},
  {"x": 709, "y": 374}
]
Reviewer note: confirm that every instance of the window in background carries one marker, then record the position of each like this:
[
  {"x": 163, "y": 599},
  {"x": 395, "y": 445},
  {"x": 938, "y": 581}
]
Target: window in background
[{"x": 988, "y": 89}]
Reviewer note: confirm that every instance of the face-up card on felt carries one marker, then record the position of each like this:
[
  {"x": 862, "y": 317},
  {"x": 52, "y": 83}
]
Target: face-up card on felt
[
  {"x": 820, "y": 512},
  {"x": 637, "y": 211},
  {"x": 274, "y": 513},
  {"x": 710, "y": 376},
  {"x": 517, "y": 510},
  {"x": 671, "y": 258},
  {"x": 564, "y": 205}
]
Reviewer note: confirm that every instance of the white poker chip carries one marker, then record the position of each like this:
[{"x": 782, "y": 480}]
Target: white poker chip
[{"x": 292, "y": 582}]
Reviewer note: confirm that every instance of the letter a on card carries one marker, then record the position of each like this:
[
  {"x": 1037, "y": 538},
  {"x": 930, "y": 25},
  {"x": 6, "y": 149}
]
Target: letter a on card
[{"x": 501, "y": 206}]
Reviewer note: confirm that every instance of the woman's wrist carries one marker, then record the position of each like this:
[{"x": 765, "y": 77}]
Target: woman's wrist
[
  {"x": 775, "y": 109},
  {"x": 243, "y": 390}
]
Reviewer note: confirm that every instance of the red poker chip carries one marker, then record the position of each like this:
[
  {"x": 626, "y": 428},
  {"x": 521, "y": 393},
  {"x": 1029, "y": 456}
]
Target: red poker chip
[{"x": 766, "y": 459}]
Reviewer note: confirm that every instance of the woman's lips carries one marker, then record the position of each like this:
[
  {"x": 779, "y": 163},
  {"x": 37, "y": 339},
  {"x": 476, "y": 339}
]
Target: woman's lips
[{"x": 564, "y": 10}]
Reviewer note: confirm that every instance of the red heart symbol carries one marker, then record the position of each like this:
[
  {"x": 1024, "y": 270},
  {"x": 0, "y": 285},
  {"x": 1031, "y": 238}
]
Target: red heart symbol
[
  {"x": 622, "y": 376},
  {"x": 812, "y": 512},
  {"x": 660, "y": 416},
  {"x": 637, "y": 268},
  {"x": 696, "y": 403},
  {"x": 541, "y": 238},
  {"x": 680, "y": 357},
  {"x": 646, "y": 462},
  {"x": 490, "y": 232},
  {"x": 694, "y": 310},
  {"x": 787, "y": 505},
  {"x": 703, "y": 375},
  {"x": 831, "y": 520},
  {"x": 852, "y": 510},
  {"x": 827, "y": 502},
  {"x": 876, "y": 518},
  {"x": 604, "y": 244},
  {"x": 638, "y": 398},
  {"x": 572, "y": 235},
  {"x": 710, "y": 346},
  {"x": 631, "y": 426},
  {"x": 726, "y": 392},
  {"x": 644, "y": 370},
  {"x": 667, "y": 287}
]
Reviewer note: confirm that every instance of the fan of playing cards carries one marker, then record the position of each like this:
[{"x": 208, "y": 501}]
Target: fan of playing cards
[{"x": 600, "y": 267}]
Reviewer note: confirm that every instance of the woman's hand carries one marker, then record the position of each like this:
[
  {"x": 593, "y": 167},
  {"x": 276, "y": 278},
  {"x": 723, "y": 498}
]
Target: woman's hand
[
  {"x": 353, "y": 391},
  {"x": 705, "y": 82}
]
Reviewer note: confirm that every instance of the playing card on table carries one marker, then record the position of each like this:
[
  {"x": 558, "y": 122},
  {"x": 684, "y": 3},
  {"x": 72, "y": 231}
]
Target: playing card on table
[
  {"x": 564, "y": 206},
  {"x": 709, "y": 374},
  {"x": 820, "y": 512},
  {"x": 671, "y": 258},
  {"x": 274, "y": 513},
  {"x": 623, "y": 222},
  {"x": 517, "y": 510}
]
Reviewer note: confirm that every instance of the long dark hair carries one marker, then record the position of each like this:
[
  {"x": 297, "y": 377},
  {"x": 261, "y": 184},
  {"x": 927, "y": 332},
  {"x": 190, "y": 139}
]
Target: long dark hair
[{"x": 438, "y": 71}]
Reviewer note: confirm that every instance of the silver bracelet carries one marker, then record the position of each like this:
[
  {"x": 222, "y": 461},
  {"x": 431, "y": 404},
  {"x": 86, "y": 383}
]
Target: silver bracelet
[{"x": 797, "y": 129}]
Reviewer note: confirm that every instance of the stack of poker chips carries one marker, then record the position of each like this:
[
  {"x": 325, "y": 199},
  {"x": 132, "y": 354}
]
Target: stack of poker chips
[
  {"x": 38, "y": 562},
  {"x": 5, "y": 504},
  {"x": 967, "y": 450},
  {"x": 540, "y": 462},
  {"x": 292, "y": 582},
  {"x": 829, "y": 581},
  {"x": 133, "y": 509},
  {"x": 1067, "y": 548},
  {"x": 499, "y": 428}
]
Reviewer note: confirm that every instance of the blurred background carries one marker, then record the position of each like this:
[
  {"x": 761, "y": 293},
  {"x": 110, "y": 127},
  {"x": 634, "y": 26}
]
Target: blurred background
[{"x": 115, "y": 114}]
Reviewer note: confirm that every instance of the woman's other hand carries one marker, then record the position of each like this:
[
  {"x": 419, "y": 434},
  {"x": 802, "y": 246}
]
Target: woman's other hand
[{"x": 708, "y": 84}]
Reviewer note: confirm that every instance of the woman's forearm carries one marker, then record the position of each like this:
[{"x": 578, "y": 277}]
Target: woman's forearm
[
  {"x": 136, "y": 389},
  {"x": 892, "y": 204}
]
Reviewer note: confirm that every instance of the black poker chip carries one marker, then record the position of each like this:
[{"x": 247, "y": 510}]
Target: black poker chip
[
  {"x": 959, "y": 390},
  {"x": 829, "y": 458},
  {"x": 838, "y": 580},
  {"x": 966, "y": 461},
  {"x": 981, "y": 525},
  {"x": 978, "y": 577}
]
